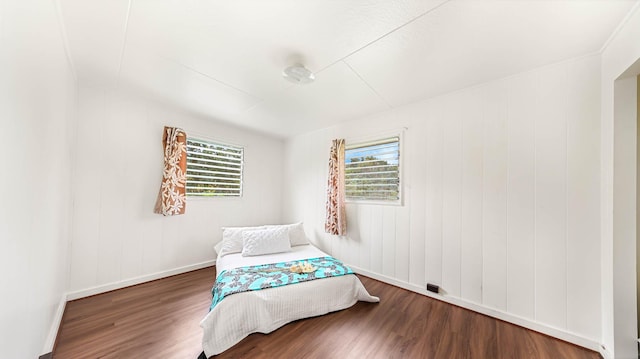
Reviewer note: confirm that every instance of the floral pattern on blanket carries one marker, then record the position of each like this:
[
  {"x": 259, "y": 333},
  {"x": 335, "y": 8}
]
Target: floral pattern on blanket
[{"x": 272, "y": 275}]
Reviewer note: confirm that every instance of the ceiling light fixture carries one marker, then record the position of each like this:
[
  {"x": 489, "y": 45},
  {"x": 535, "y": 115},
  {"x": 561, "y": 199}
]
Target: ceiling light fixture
[{"x": 298, "y": 74}]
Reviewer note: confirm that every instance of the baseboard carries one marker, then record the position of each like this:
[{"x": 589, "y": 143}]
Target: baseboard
[
  {"x": 57, "y": 319},
  {"x": 137, "y": 280},
  {"x": 498, "y": 314},
  {"x": 605, "y": 353},
  {"x": 55, "y": 325}
]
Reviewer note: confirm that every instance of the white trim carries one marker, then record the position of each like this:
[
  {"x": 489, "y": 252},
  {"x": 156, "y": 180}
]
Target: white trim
[
  {"x": 371, "y": 137},
  {"x": 605, "y": 353},
  {"x": 618, "y": 28},
  {"x": 495, "y": 313},
  {"x": 198, "y": 136},
  {"x": 55, "y": 325},
  {"x": 137, "y": 280},
  {"x": 371, "y": 143}
]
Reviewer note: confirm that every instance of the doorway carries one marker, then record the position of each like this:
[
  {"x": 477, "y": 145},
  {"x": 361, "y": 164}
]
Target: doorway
[
  {"x": 626, "y": 201},
  {"x": 638, "y": 211}
]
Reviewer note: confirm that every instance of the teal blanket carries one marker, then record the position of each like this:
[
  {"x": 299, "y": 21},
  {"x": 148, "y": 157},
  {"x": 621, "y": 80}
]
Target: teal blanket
[{"x": 273, "y": 275}]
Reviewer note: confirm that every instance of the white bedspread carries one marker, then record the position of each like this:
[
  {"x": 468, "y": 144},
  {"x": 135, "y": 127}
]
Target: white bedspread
[{"x": 264, "y": 311}]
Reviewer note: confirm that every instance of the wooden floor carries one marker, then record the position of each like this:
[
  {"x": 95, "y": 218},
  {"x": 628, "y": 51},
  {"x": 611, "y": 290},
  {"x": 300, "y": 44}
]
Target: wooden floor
[{"x": 160, "y": 319}]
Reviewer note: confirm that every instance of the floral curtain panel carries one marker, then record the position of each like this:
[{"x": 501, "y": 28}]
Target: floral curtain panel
[
  {"x": 336, "y": 221},
  {"x": 171, "y": 198}
]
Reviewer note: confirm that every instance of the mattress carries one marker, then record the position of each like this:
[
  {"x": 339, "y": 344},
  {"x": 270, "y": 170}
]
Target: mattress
[{"x": 264, "y": 311}]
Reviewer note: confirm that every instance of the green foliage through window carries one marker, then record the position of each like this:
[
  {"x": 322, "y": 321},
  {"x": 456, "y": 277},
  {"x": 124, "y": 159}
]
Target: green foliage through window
[
  {"x": 213, "y": 169},
  {"x": 372, "y": 170}
]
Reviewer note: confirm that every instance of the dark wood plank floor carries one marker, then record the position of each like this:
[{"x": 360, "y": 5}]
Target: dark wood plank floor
[{"x": 160, "y": 319}]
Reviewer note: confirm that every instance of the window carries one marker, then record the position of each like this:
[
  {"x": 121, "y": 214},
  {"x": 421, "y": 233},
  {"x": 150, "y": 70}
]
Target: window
[
  {"x": 213, "y": 169},
  {"x": 372, "y": 170}
]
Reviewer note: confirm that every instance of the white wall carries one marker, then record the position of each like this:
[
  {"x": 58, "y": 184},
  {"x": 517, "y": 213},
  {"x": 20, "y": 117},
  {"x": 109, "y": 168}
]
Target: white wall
[
  {"x": 116, "y": 235},
  {"x": 501, "y": 197},
  {"x": 637, "y": 262},
  {"x": 37, "y": 112},
  {"x": 624, "y": 220},
  {"x": 621, "y": 53}
]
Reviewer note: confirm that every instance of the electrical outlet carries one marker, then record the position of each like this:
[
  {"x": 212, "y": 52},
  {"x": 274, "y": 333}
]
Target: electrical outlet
[{"x": 433, "y": 288}]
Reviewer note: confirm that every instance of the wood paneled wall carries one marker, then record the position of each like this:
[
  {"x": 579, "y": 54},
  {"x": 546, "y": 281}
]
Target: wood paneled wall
[
  {"x": 116, "y": 236},
  {"x": 38, "y": 95},
  {"x": 501, "y": 196}
]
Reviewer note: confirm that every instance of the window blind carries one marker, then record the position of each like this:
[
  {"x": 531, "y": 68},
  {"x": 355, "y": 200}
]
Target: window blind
[
  {"x": 372, "y": 170},
  {"x": 213, "y": 169}
]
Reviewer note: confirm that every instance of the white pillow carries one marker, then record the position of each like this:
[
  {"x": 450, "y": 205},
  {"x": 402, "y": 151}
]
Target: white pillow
[
  {"x": 232, "y": 239},
  {"x": 218, "y": 247},
  {"x": 265, "y": 241},
  {"x": 297, "y": 237}
]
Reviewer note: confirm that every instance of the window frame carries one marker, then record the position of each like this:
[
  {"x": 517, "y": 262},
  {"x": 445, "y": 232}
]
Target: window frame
[
  {"x": 370, "y": 141},
  {"x": 203, "y": 139}
]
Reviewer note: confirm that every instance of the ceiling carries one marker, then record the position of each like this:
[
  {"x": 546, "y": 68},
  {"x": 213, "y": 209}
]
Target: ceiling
[{"x": 224, "y": 59}]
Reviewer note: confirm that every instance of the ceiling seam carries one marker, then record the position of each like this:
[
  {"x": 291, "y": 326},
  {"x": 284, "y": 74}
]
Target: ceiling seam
[
  {"x": 385, "y": 35},
  {"x": 124, "y": 41},
  {"x": 368, "y": 85},
  {"x": 124, "y": 45},
  {"x": 619, "y": 27},
  {"x": 342, "y": 59},
  {"x": 212, "y": 78},
  {"x": 65, "y": 38},
  {"x": 253, "y": 106}
]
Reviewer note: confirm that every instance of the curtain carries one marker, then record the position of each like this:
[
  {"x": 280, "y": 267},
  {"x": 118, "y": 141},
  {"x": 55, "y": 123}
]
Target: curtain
[
  {"x": 336, "y": 221},
  {"x": 171, "y": 198}
]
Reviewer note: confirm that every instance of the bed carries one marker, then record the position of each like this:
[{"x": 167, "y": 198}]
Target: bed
[{"x": 262, "y": 311}]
